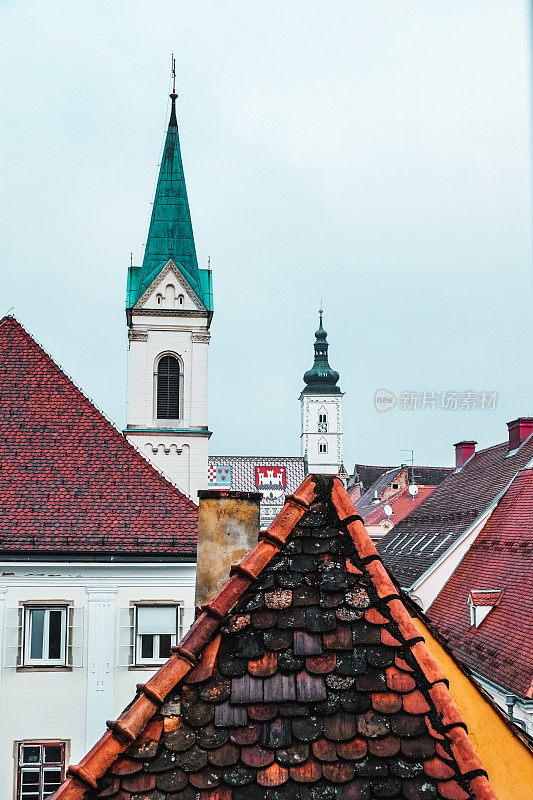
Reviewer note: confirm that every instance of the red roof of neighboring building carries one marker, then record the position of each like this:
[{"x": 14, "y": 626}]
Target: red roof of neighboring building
[
  {"x": 305, "y": 677},
  {"x": 69, "y": 481},
  {"x": 500, "y": 559},
  {"x": 402, "y": 504},
  {"x": 412, "y": 547}
]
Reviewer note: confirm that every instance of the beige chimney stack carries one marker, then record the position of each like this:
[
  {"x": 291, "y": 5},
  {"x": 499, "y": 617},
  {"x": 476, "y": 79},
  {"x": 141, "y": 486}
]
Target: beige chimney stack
[{"x": 228, "y": 528}]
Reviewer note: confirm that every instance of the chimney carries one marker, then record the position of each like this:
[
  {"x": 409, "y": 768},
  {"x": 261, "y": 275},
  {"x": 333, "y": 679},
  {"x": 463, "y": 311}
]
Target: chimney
[
  {"x": 463, "y": 451},
  {"x": 228, "y": 528},
  {"x": 519, "y": 430}
]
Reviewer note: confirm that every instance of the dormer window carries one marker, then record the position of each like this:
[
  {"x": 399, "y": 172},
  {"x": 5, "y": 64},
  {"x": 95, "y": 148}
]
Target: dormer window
[{"x": 480, "y": 604}]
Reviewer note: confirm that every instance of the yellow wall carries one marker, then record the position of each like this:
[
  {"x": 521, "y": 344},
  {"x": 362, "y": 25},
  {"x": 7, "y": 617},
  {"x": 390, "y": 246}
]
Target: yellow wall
[{"x": 508, "y": 761}]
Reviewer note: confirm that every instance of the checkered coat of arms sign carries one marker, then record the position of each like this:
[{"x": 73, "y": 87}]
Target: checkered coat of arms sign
[{"x": 271, "y": 482}]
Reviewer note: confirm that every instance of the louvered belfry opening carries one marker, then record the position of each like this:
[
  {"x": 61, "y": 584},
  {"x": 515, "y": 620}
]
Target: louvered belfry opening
[{"x": 168, "y": 388}]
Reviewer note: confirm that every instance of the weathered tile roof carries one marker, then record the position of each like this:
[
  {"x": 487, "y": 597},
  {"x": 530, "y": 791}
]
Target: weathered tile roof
[
  {"x": 368, "y": 474},
  {"x": 402, "y": 505},
  {"x": 413, "y": 546},
  {"x": 500, "y": 558},
  {"x": 364, "y": 503},
  {"x": 305, "y": 677},
  {"x": 70, "y": 482}
]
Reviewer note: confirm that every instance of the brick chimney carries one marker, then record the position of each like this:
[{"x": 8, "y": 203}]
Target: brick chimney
[
  {"x": 519, "y": 430},
  {"x": 228, "y": 528},
  {"x": 463, "y": 451}
]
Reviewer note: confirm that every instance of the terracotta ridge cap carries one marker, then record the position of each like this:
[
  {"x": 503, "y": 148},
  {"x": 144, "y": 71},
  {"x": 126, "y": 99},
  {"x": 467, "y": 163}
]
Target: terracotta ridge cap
[
  {"x": 135, "y": 718},
  {"x": 464, "y": 753}
]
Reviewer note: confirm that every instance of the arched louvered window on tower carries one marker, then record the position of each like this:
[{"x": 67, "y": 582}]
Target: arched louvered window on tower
[{"x": 168, "y": 388}]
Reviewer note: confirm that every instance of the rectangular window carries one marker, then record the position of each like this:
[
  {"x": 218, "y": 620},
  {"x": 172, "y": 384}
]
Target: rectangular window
[
  {"x": 45, "y": 635},
  {"x": 156, "y": 631},
  {"x": 40, "y": 769}
]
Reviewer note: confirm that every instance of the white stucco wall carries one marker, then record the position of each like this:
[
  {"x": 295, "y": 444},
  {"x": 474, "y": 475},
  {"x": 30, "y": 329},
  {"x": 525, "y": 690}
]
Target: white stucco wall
[
  {"x": 73, "y": 704},
  {"x": 311, "y": 406}
]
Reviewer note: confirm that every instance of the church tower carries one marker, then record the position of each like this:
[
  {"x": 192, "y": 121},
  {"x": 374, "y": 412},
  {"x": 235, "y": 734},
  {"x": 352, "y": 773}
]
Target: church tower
[
  {"x": 321, "y": 401},
  {"x": 169, "y": 306}
]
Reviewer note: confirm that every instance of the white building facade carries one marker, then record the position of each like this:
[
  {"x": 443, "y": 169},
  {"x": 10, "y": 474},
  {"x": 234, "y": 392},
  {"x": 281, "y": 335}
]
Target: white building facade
[{"x": 76, "y": 639}]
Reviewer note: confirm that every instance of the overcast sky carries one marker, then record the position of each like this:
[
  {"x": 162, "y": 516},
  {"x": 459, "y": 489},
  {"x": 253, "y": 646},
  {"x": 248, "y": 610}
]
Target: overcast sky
[{"x": 375, "y": 154}]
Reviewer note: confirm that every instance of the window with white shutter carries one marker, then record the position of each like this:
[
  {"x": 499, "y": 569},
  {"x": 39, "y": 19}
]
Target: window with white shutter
[{"x": 156, "y": 631}]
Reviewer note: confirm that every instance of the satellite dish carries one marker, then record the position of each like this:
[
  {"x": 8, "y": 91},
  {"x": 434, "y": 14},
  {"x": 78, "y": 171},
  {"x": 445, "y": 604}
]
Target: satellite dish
[
  {"x": 388, "y": 510},
  {"x": 413, "y": 490}
]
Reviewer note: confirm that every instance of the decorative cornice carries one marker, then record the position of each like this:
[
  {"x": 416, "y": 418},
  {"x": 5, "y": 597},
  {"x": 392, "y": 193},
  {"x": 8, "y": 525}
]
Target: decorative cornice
[
  {"x": 201, "y": 337},
  {"x": 137, "y": 336}
]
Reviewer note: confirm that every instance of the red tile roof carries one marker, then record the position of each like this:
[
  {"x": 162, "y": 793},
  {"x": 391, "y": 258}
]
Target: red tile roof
[
  {"x": 69, "y": 481},
  {"x": 402, "y": 505},
  {"x": 501, "y": 557},
  {"x": 305, "y": 677}
]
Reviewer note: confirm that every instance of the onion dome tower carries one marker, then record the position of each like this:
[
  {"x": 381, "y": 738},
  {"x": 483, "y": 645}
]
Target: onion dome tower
[{"x": 321, "y": 403}]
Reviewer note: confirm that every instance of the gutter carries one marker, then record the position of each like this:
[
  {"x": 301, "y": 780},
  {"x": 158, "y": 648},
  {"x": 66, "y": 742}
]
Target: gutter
[{"x": 510, "y": 699}]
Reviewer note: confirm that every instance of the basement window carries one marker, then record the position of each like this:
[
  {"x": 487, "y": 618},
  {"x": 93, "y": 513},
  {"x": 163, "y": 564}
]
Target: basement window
[{"x": 40, "y": 769}]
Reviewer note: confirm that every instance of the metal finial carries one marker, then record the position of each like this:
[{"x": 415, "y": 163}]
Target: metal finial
[
  {"x": 173, "y": 96},
  {"x": 131, "y": 259}
]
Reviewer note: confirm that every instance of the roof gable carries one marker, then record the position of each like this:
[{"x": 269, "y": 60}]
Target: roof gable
[
  {"x": 71, "y": 483},
  {"x": 305, "y": 677}
]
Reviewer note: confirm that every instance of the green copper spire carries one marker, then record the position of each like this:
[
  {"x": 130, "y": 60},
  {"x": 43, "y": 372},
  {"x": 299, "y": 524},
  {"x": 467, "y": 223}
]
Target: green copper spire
[
  {"x": 170, "y": 235},
  {"x": 321, "y": 379}
]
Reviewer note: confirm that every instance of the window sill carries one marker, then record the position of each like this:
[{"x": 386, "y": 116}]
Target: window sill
[
  {"x": 44, "y": 668},
  {"x": 145, "y": 667}
]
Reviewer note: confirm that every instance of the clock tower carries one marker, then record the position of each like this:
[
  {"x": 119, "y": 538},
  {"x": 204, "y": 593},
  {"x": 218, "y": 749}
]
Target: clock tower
[{"x": 321, "y": 403}]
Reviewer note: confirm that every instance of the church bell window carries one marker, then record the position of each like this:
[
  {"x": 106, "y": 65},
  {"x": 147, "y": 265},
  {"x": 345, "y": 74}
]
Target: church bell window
[{"x": 168, "y": 388}]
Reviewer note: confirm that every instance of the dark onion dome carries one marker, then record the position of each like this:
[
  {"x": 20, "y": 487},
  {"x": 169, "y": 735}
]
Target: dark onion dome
[{"x": 321, "y": 379}]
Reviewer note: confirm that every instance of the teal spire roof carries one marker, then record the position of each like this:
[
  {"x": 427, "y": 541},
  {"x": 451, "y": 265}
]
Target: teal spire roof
[
  {"x": 321, "y": 379},
  {"x": 170, "y": 235}
]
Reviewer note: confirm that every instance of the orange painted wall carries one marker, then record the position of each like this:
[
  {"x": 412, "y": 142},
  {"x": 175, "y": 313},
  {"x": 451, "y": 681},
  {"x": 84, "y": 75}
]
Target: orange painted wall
[{"x": 507, "y": 759}]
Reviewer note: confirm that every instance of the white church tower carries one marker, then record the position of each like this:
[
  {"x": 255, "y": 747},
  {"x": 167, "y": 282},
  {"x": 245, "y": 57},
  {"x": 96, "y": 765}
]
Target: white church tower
[
  {"x": 321, "y": 401},
  {"x": 169, "y": 307}
]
